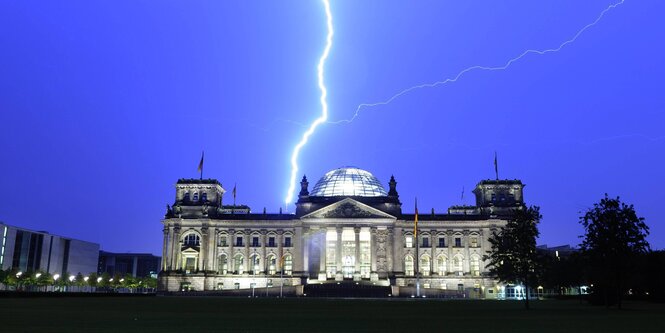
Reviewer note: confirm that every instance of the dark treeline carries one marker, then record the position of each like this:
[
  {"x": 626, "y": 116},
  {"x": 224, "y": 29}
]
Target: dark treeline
[{"x": 614, "y": 261}]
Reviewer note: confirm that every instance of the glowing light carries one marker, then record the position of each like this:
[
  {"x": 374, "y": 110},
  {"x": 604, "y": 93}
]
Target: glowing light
[
  {"x": 324, "y": 106},
  {"x": 56, "y": 277},
  {"x": 482, "y": 68}
]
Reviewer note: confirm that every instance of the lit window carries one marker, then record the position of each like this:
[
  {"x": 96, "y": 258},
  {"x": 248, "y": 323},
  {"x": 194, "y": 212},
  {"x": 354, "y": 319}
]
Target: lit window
[
  {"x": 191, "y": 240},
  {"x": 272, "y": 264},
  {"x": 255, "y": 263},
  {"x": 408, "y": 266},
  {"x": 441, "y": 264},
  {"x": 475, "y": 266},
  {"x": 457, "y": 265},
  {"x": 288, "y": 265},
  {"x": 425, "y": 265},
  {"x": 222, "y": 241},
  {"x": 474, "y": 241},
  {"x": 409, "y": 241},
  {"x": 223, "y": 264},
  {"x": 238, "y": 264}
]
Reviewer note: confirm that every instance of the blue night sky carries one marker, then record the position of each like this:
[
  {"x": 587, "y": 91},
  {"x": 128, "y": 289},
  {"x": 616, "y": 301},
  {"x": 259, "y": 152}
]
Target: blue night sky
[{"x": 105, "y": 104}]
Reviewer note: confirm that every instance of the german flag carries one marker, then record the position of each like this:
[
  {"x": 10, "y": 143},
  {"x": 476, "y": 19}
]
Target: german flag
[{"x": 201, "y": 163}]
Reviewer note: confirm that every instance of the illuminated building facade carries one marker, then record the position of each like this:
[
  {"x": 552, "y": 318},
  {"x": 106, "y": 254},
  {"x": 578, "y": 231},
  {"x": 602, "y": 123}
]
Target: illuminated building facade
[{"x": 348, "y": 229}]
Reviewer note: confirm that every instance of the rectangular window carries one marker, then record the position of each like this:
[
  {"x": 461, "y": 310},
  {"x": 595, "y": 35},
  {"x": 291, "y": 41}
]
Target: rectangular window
[
  {"x": 271, "y": 241},
  {"x": 474, "y": 241},
  {"x": 239, "y": 241},
  {"x": 287, "y": 241},
  {"x": 458, "y": 242},
  {"x": 442, "y": 242},
  {"x": 222, "y": 241},
  {"x": 409, "y": 241},
  {"x": 493, "y": 197},
  {"x": 255, "y": 242},
  {"x": 425, "y": 242}
]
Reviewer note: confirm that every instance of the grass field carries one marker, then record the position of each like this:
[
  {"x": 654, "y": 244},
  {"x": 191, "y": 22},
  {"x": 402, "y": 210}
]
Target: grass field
[{"x": 217, "y": 314}]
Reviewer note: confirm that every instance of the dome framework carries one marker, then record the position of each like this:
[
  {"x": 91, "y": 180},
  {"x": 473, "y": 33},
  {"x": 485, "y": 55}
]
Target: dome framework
[{"x": 348, "y": 181}]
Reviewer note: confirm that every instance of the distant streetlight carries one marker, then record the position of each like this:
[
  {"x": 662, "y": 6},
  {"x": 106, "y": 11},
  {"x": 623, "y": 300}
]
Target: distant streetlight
[
  {"x": 99, "y": 279},
  {"x": 71, "y": 278},
  {"x": 38, "y": 275},
  {"x": 19, "y": 274},
  {"x": 86, "y": 278},
  {"x": 56, "y": 277}
]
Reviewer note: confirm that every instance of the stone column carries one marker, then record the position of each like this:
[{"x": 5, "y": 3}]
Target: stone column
[
  {"x": 229, "y": 258},
  {"x": 433, "y": 238},
  {"x": 467, "y": 253},
  {"x": 280, "y": 249},
  {"x": 338, "y": 250},
  {"x": 322, "y": 254},
  {"x": 203, "y": 248},
  {"x": 264, "y": 252},
  {"x": 165, "y": 247},
  {"x": 175, "y": 248},
  {"x": 356, "y": 269},
  {"x": 245, "y": 238},
  {"x": 398, "y": 249},
  {"x": 389, "y": 251},
  {"x": 305, "y": 251},
  {"x": 372, "y": 246},
  {"x": 297, "y": 251},
  {"x": 212, "y": 254}
]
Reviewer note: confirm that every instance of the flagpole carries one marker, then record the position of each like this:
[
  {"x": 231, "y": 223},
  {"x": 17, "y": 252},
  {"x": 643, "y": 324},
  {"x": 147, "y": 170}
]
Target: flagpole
[{"x": 496, "y": 166}]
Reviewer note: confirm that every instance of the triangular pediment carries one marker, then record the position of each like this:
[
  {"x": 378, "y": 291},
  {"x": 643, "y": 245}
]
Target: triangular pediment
[{"x": 348, "y": 209}]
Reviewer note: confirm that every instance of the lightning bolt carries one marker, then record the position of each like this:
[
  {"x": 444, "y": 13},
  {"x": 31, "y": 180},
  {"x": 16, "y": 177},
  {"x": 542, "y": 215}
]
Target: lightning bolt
[
  {"x": 324, "y": 105},
  {"x": 480, "y": 68}
]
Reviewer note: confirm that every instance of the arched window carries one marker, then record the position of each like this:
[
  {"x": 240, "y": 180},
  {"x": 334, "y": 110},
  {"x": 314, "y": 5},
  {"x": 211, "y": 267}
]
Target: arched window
[
  {"x": 255, "y": 262},
  {"x": 458, "y": 267},
  {"x": 186, "y": 197},
  {"x": 238, "y": 264},
  {"x": 408, "y": 265},
  {"x": 191, "y": 239},
  {"x": 425, "y": 265},
  {"x": 223, "y": 241},
  {"x": 272, "y": 264},
  {"x": 204, "y": 197},
  {"x": 223, "y": 264},
  {"x": 196, "y": 196},
  {"x": 288, "y": 264},
  {"x": 441, "y": 265},
  {"x": 475, "y": 266}
]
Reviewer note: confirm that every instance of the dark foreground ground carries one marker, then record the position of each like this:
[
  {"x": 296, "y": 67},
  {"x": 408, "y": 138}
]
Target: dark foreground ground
[{"x": 217, "y": 314}]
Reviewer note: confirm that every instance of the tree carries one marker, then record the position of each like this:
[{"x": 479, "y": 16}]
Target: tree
[
  {"x": 4, "y": 274},
  {"x": 614, "y": 236},
  {"x": 513, "y": 257}
]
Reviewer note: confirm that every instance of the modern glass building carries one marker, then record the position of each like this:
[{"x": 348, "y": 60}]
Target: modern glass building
[
  {"x": 31, "y": 251},
  {"x": 349, "y": 230}
]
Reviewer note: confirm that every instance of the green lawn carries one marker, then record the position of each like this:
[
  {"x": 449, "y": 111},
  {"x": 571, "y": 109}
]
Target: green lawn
[{"x": 217, "y": 314}]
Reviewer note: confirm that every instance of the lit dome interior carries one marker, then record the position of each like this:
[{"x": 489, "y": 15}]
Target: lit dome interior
[{"x": 348, "y": 181}]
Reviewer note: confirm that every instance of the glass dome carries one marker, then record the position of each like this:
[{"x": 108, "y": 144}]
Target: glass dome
[{"x": 348, "y": 181}]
